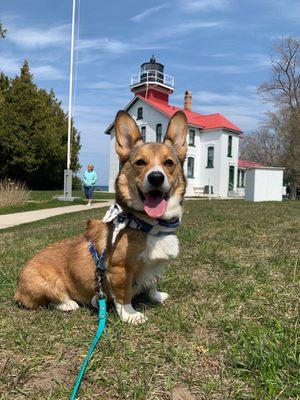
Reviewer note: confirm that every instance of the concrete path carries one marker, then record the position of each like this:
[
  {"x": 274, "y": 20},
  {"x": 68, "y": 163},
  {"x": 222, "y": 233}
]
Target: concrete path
[{"x": 9, "y": 220}]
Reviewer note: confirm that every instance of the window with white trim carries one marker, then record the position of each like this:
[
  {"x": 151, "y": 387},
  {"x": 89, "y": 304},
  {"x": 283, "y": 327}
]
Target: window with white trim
[
  {"x": 190, "y": 167},
  {"x": 210, "y": 157},
  {"x": 229, "y": 148},
  {"x": 192, "y": 134},
  {"x": 241, "y": 178},
  {"x": 158, "y": 133},
  {"x": 143, "y": 133},
  {"x": 140, "y": 113}
]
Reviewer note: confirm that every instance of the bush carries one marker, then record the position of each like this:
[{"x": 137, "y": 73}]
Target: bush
[
  {"x": 76, "y": 183},
  {"x": 12, "y": 192}
]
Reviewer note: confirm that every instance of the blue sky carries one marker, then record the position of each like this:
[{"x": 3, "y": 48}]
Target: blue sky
[{"x": 218, "y": 49}]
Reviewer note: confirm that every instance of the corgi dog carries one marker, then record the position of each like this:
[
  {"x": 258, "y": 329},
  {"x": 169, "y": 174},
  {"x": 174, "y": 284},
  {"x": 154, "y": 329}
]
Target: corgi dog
[{"x": 137, "y": 235}]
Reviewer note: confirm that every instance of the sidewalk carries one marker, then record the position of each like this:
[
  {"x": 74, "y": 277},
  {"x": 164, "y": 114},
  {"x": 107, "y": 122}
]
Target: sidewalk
[{"x": 9, "y": 220}]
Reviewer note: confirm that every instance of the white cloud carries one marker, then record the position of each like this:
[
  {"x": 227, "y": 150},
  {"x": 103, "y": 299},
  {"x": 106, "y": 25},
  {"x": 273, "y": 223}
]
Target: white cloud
[
  {"x": 181, "y": 29},
  {"x": 147, "y": 12},
  {"x": 40, "y": 38},
  {"x": 12, "y": 66},
  {"x": 203, "y": 5},
  {"x": 48, "y": 72},
  {"x": 243, "y": 107},
  {"x": 247, "y": 64},
  {"x": 105, "y": 85},
  {"x": 9, "y": 65},
  {"x": 285, "y": 9},
  {"x": 116, "y": 46},
  {"x": 106, "y": 44}
]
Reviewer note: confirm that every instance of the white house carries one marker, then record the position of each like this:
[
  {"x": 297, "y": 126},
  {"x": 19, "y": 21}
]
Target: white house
[{"x": 213, "y": 140}]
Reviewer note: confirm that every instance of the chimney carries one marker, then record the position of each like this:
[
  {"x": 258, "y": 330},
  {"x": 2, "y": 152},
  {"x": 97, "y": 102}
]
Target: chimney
[{"x": 187, "y": 105}]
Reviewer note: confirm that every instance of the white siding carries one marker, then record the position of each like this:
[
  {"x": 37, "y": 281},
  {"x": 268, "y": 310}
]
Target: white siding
[{"x": 264, "y": 184}]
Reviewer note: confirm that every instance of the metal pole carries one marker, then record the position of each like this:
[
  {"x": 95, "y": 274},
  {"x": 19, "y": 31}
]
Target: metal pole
[
  {"x": 71, "y": 87},
  {"x": 68, "y": 172}
]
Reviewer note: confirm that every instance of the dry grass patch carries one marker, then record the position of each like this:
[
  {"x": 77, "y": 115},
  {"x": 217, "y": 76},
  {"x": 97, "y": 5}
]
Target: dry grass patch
[{"x": 12, "y": 192}]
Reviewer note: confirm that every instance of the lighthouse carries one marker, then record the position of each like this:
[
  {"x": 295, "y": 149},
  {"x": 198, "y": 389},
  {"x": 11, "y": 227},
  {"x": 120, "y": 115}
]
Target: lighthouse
[{"x": 152, "y": 82}]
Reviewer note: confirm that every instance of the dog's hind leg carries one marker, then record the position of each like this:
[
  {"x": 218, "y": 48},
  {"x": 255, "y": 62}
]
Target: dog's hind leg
[
  {"x": 67, "y": 305},
  {"x": 34, "y": 291}
]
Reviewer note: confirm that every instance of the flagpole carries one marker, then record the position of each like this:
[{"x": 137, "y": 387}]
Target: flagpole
[
  {"x": 71, "y": 87},
  {"x": 68, "y": 171}
]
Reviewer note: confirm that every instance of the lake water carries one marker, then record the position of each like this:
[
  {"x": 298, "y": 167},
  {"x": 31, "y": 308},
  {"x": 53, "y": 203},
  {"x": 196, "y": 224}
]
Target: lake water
[{"x": 101, "y": 188}]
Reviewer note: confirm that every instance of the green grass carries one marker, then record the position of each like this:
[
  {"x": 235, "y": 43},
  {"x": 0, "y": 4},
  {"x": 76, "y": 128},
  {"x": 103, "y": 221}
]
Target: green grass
[
  {"x": 230, "y": 329},
  {"x": 41, "y": 199}
]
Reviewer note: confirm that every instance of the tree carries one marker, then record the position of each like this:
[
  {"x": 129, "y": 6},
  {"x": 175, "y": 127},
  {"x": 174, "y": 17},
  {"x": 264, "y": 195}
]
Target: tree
[
  {"x": 283, "y": 88},
  {"x": 278, "y": 142},
  {"x": 263, "y": 146},
  {"x": 33, "y": 134},
  {"x": 2, "y": 31}
]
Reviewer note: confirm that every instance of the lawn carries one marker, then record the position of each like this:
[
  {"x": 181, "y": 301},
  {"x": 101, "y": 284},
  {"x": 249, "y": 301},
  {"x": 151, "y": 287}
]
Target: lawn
[
  {"x": 39, "y": 199},
  {"x": 230, "y": 329}
]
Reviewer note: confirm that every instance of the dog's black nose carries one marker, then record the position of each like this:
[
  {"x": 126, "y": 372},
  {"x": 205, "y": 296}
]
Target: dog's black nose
[{"x": 156, "y": 178}]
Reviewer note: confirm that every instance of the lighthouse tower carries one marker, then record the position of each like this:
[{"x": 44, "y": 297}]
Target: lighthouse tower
[{"x": 152, "y": 82}]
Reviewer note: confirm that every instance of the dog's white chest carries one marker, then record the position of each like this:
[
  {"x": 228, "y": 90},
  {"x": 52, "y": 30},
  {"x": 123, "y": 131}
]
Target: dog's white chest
[{"x": 160, "y": 248}]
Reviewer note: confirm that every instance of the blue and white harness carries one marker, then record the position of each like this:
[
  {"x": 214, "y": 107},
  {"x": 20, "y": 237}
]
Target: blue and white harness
[{"x": 122, "y": 219}]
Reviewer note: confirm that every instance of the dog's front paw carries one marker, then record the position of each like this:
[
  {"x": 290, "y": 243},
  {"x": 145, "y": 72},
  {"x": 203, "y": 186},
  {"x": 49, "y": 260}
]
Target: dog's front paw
[
  {"x": 128, "y": 314},
  {"x": 157, "y": 297}
]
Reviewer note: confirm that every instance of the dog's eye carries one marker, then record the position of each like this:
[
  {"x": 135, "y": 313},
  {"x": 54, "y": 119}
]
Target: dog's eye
[
  {"x": 169, "y": 163},
  {"x": 140, "y": 162}
]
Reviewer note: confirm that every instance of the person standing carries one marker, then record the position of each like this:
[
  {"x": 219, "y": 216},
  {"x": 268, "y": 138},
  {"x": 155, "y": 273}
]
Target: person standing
[{"x": 89, "y": 182}]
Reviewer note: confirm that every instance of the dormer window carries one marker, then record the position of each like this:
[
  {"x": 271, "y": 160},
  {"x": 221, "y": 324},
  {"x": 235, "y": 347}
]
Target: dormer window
[
  {"x": 158, "y": 132},
  {"x": 191, "y": 137},
  {"x": 140, "y": 113}
]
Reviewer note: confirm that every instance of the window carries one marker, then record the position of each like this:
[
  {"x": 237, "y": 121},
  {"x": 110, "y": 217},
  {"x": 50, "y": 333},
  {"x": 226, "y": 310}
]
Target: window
[
  {"x": 140, "y": 113},
  {"x": 158, "y": 132},
  {"x": 210, "y": 157},
  {"x": 143, "y": 133},
  {"x": 191, "y": 137},
  {"x": 206, "y": 189},
  {"x": 190, "y": 167},
  {"x": 241, "y": 178},
  {"x": 229, "y": 148}
]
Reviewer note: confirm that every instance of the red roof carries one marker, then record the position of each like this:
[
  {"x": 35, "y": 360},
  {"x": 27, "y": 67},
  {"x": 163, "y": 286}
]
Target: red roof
[
  {"x": 248, "y": 164},
  {"x": 209, "y": 121}
]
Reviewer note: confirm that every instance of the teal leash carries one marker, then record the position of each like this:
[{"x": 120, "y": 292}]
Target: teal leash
[{"x": 101, "y": 326}]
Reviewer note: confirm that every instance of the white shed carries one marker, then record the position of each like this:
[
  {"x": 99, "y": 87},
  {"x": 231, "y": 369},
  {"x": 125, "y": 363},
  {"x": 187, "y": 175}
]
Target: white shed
[{"x": 264, "y": 184}]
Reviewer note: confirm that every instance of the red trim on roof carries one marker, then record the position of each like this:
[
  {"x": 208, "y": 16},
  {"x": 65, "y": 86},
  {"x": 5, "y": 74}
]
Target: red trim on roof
[
  {"x": 211, "y": 121},
  {"x": 248, "y": 164}
]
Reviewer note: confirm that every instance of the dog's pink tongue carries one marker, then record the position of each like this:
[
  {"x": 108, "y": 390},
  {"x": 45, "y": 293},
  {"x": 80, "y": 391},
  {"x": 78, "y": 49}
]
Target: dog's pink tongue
[{"x": 155, "y": 205}]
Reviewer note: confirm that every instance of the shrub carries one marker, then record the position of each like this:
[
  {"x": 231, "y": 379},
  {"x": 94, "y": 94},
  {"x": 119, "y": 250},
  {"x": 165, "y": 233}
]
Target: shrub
[
  {"x": 12, "y": 192},
  {"x": 76, "y": 183}
]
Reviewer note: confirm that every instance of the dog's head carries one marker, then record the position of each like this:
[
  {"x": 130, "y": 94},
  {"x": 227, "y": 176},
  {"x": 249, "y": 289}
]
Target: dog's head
[{"x": 151, "y": 178}]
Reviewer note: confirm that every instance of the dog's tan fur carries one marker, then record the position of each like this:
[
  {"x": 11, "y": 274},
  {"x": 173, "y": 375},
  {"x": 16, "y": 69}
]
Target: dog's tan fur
[{"x": 64, "y": 273}]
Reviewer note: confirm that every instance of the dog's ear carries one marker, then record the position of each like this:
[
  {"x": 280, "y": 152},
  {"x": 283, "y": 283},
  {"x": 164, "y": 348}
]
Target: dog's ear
[
  {"x": 176, "y": 134},
  {"x": 127, "y": 134}
]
